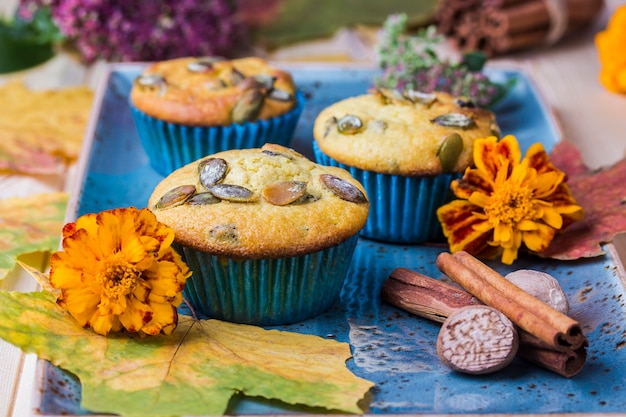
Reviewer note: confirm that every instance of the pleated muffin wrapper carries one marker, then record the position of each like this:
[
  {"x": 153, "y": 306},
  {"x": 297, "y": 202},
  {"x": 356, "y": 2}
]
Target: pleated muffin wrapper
[
  {"x": 402, "y": 209},
  {"x": 268, "y": 291},
  {"x": 170, "y": 146}
]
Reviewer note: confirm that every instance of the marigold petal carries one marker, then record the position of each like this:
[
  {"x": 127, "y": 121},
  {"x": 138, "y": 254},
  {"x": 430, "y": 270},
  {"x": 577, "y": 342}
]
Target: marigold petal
[
  {"x": 479, "y": 199},
  {"x": 538, "y": 240},
  {"x": 63, "y": 273},
  {"x": 503, "y": 234},
  {"x": 538, "y": 159},
  {"x": 81, "y": 303},
  {"x": 136, "y": 315},
  {"x": 547, "y": 183},
  {"x": 552, "y": 218},
  {"x": 81, "y": 242},
  {"x": 526, "y": 225},
  {"x": 165, "y": 316},
  {"x": 462, "y": 228},
  {"x": 473, "y": 180},
  {"x": 490, "y": 154},
  {"x": 104, "y": 324},
  {"x": 89, "y": 223},
  {"x": 509, "y": 253}
]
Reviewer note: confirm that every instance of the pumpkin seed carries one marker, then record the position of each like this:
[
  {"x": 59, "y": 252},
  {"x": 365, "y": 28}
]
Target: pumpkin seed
[
  {"x": 255, "y": 83},
  {"x": 230, "y": 192},
  {"x": 465, "y": 103},
  {"x": 212, "y": 171},
  {"x": 306, "y": 198},
  {"x": 390, "y": 94},
  {"x": 454, "y": 120},
  {"x": 449, "y": 152},
  {"x": 202, "y": 199},
  {"x": 215, "y": 84},
  {"x": 283, "y": 193},
  {"x": 201, "y": 65},
  {"x": 265, "y": 80},
  {"x": 248, "y": 107},
  {"x": 349, "y": 124},
  {"x": 280, "y": 95},
  {"x": 236, "y": 76},
  {"x": 151, "y": 80},
  {"x": 343, "y": 189},
  {"x": 175, "y": 196},
  {"x": 420, "y": 97},
  {"x": 495, "y": 131}
]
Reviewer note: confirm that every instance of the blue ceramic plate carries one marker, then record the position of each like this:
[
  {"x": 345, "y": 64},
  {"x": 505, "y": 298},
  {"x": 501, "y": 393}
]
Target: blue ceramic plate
[{"x": 392, "y": 348}]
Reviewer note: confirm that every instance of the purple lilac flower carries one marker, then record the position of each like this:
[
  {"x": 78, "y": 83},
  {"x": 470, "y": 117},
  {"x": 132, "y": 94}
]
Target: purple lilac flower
[{"x": 146, "y": 30}]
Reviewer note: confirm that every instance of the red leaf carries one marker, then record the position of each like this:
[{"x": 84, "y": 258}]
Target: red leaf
[{"x": 602, "y": 195}]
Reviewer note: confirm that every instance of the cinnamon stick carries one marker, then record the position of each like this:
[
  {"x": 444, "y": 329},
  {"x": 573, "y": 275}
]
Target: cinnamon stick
[
  {"x": 537, "y": 318},
  {"x": 436, "y": 300},
  {"x": 501, "y": 26},
  {"x": 563, "y": 362},
  {"x": 424, "y": 296}
]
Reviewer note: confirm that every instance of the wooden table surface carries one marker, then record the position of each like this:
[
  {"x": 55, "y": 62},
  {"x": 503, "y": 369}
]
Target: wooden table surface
[{"x": 566, "y": 75}]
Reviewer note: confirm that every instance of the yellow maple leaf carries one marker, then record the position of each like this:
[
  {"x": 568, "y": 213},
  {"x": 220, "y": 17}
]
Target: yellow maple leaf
[{"x": 40, "y": 131}]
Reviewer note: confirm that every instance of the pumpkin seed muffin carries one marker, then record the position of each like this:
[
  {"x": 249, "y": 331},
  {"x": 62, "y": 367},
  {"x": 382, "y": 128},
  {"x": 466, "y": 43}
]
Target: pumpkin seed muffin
[
  {"x": 410, "y": 134},
  {"x": 187, "y": 108},
  {"x": 212, "y": 91},
  {"x": 405, "y": 148},
  {"x": 268, "y": 234}
]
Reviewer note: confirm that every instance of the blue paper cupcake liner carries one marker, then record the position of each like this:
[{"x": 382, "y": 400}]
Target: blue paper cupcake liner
[
  {"x": 170, "y": 146},
  {"x": 402, "y": 209},
  {"x": 268, "y": 291}
]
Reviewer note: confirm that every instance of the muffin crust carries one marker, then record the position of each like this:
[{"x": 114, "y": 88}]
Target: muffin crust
[
  {"x": 398, "y": 136},
  {"x": 206, "y": 91},
  {"x": 256, "y": 228}
]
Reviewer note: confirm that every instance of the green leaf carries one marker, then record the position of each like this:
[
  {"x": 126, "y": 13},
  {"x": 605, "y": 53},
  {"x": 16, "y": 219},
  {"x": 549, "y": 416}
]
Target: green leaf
[
  {"x": 194, "y": 371},
  {"x": 28, "y": 225},
  {"x": 475, "y": 60}
]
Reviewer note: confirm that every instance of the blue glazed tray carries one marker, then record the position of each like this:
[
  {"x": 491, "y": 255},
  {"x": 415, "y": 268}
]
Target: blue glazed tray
[{"x": 395, "y": 350}]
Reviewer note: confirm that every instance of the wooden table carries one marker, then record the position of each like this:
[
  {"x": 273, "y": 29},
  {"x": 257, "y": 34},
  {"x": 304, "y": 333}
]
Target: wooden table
[{"x": 566, "y": 74}]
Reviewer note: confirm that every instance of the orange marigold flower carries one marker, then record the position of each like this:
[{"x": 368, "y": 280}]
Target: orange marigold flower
[
  {"x": 612, "y": 53},
  {"x": 117, "y": 270},
  {"x": 505, "y": 203}
]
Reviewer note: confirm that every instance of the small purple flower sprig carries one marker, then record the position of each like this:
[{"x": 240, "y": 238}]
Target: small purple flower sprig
[
  {"x": 145, "y": 30},
  {"x": 412, "y": 62}
]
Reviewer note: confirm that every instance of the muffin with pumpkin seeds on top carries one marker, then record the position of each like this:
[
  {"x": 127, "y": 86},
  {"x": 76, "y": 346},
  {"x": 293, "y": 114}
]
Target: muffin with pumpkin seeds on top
[
  {"x": 268, "y": 234},
  {"x": 405, "y": 148},
  {"x": 187, "y": 108}
]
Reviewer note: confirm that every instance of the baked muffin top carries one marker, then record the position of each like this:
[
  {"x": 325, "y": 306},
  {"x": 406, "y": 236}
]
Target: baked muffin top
[
  {"x": 267, "y": 202},
  {"x": 408, "y": 134},
  {"x": 212, "y": 91}
]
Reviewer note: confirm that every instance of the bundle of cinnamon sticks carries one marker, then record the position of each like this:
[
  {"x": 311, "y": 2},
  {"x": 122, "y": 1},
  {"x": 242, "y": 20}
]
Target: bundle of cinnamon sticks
[
  {"x": 547, "y": 337},
  {"x": 500, "y": 26}
]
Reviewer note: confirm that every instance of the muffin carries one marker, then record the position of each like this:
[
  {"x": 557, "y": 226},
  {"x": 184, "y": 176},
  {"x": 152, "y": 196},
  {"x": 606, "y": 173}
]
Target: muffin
[
  {"x": 405, "y": 148},
  {"x": 268, "y": 234},
  {"x": 187, "y": 108}
]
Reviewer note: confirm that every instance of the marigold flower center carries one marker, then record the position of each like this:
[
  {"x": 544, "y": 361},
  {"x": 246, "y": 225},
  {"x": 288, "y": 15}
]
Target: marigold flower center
[
  {"x": 510, "y": 204},
  {"x": 118, "y": 279}
]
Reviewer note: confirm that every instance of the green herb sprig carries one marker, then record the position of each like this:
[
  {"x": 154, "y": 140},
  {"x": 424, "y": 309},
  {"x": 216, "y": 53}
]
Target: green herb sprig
[{"x": 412, "y": 62}]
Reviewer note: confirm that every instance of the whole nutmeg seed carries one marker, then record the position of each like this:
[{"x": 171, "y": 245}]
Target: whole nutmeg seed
[
  {"x": 477, "y": 340},
  {"x": 542, "y": 286}
]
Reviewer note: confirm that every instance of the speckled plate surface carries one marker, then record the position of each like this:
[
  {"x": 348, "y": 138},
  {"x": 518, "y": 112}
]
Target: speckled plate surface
[{"x": 390, "y": 347}]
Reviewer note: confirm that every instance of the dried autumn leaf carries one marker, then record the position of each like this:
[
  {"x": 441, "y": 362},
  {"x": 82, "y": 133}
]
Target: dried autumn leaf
[
  {"x": 194, "y": 371},
  {"x": 41, "y": 130},
  {"x": 30, "y": 224},
  {"x": 602, "y": 195}
]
